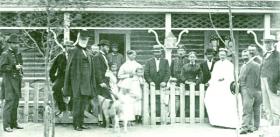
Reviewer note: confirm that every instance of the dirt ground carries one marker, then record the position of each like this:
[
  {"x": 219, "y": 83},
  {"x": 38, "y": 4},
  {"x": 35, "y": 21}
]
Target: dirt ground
[{"x": 177, "y": 130}]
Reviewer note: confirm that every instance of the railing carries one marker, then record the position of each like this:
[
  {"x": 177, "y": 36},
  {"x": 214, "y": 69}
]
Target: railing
[
  {"x": 34, "y": 100},
  {"x": 167, "y": 104}
]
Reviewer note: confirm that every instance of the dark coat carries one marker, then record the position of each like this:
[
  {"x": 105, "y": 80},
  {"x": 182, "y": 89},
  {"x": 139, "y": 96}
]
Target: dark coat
[
  {"x": 249, "y": 76},
  {"x": 176, "y": 67},
  {"x": 57, "y": 71},
  {"x": 206, "y": 71},
  {"x": 115, "y": 59},
  {"x": 11, "y": 82},
  {"x": 151, "y": 74},
  {"x": 270, "y": 68},
  {"x": 100, "y": 77},
  {"x": 191, "y": 73},
  {"x": 77, "y": 82}
]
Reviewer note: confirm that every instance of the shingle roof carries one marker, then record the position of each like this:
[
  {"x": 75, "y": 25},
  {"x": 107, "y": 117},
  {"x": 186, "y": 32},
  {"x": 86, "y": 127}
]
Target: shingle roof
[{"x": 141, "y": 3}]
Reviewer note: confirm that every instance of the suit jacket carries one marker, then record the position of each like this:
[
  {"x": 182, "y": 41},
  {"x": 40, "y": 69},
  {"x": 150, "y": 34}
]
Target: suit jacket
[
  {"x": 76, "y": 83},
  {"x": 270, "y": 68},
  {"x": 100, "y": 77},
  {"x": 249, "y": 77},
  {"x": 57, "y": 71},
  {"x": 11, "y": 82},
  {"x": 206, "y": 71},
  {"x": 151, "y": 74},
  {"x": 176, "y": 67}
]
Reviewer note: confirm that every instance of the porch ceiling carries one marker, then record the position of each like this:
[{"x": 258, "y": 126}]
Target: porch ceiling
[{"x": 128, "y": 5}]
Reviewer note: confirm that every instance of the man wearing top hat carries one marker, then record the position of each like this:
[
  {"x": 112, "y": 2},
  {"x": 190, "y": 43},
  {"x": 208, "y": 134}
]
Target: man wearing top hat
[
  {"x": 57, "y": 75},
  {"x": 11, "y": 68},
  {"x": 270, "y": 76},
  {"x": 79, "y": 80}
]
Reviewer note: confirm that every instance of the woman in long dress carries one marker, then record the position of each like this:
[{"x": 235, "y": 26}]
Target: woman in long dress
[
  {"x": 126, "y": 74},
  {"x": 219, "y": 101}
]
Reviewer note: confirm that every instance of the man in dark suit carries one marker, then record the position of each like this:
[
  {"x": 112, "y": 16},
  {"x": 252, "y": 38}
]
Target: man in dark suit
[
  {"x": 115, "y": 57},
  {"x": 11, "y": 68},
  {"x": 250, "y": 92},
  {"x": 79, "y": 80},
  {"x": 207, "y": 66},
  {"x": 177, "y": 64},
  {"x": 57, "y": 76},
  {"x": 270, "y": 77},
  {"x": 102, "y": 82},
  {"x": 157, "y": 72}
]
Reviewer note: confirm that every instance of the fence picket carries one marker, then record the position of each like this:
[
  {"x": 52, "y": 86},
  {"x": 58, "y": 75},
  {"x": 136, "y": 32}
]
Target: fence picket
[
  {"x": 26, "y": 102},
  {"x": 192, "y": 103},
  {"x": 36, "y": 103},
  {"x": 182, "y": 103},
  {"x": 153, "y": 104},
  {"x": 162, "y": 106},
  {"x": 146, "y": 117},
  {"x": 172, "y": 103},
  {"x": 201, "y": 103}
]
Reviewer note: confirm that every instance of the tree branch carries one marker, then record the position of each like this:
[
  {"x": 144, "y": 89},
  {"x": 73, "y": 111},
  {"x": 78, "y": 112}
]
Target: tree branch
[{"x": 34, "y": 41}]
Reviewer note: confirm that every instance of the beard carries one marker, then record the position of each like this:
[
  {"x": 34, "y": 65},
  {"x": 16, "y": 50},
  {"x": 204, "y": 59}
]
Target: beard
[{"x": 83, "y": 43}]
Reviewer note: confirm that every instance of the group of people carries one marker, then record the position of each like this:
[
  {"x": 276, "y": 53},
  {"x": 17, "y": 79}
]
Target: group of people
[{"x": 83, "y": 72}]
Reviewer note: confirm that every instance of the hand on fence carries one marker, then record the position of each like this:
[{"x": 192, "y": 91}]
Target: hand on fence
[
  {"x": 189, "y": 82},
  {"x": 163, "y": 84},
  {"x": 152, "y": 83},
  {"x": 66, "y": 100}
]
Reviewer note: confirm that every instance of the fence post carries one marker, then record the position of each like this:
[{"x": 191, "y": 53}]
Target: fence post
[
  {"x": 26, "y": 102},
  {"x": 36, "y": 103},
  {"x": 153, "y": 104},
  {"x": 146, "y": 117},
  {"x": 201, "y": 103},
  {"x": 192, "y": 103},
  {"x": 172, "y": 103},
  {"x": 182, "y": 103},
  {"x": 162, "y": 106}
]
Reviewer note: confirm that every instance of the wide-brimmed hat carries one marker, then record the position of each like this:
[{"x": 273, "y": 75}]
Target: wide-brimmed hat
[
  {"x": 104, "y": 42},
  {"x": 271, "y": 38},
  {"x": 13, "y": 39}
]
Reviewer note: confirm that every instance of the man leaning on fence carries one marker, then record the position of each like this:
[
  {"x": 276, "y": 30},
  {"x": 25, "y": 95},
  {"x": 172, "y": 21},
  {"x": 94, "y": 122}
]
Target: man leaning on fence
[
  {"x": 11, "y": 68},
  {"x": 79, "y": 80}
]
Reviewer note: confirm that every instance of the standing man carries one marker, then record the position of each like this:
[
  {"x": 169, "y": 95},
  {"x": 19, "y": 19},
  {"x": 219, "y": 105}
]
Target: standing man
[
  {"x": 157, "y": 72},
  {"x": 79, "y": 80},
  {"x": 177, "y": 64},
  {"x": 57, "y": 76},
  {"x": 207, "y": 66},
  {"x": 270, "y": 77},
  {"x": 11, "y": 67},
  {"x": 250, "y": 92},
  {"x": 115, "y": 57}
]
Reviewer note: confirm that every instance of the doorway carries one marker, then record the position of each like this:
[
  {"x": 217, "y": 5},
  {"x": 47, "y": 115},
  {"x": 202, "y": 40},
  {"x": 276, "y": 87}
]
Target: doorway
[{"x": 118, "y": 37}]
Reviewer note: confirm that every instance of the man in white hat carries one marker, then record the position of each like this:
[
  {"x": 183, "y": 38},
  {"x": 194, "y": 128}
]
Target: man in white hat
[{"x": 270, "y": 76}]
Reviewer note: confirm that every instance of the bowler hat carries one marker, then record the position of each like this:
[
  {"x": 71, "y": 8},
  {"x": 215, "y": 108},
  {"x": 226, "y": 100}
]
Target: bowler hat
[
  {"x": 104, "y": 42},
  {"x": 209, "y": 51},
  {"x": 13, "y": 39},
  {"x": 269, "y": 38},
  {"x": 233, "y": 87}
]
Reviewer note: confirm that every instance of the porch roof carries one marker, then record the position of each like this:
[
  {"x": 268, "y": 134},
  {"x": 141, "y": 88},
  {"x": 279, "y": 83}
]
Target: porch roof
[{"x": 147, "y": 5}]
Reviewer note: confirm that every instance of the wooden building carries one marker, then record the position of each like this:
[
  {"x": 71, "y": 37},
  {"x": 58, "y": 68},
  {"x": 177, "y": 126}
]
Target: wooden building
[{"x": 127, "y": 22}]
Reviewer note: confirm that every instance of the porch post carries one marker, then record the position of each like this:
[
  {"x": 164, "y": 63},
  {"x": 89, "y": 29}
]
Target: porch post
[
  {"x": 168, "y": 26},
  {"x": 66, "y": 27},
  {"x": 266, "y": 25}
]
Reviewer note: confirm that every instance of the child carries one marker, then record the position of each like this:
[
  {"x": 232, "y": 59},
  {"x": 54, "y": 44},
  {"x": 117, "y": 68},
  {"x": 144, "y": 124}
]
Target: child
[
  {"x": 112, "y": 74},
  {"x": 137, "y": 83}
]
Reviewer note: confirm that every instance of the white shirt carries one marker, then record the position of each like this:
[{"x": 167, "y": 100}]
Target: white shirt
[{"x": 157, "y": 64}]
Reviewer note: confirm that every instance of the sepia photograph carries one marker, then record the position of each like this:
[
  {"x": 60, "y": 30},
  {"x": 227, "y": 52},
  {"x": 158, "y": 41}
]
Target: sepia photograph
[{"x": 140, "y": 68}]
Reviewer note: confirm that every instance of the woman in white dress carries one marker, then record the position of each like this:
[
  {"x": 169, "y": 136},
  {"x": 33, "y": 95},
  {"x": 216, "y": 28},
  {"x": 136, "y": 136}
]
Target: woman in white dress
[
  {"x": 126, "y": 75},
  {"x": 219, "y": 101}
]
